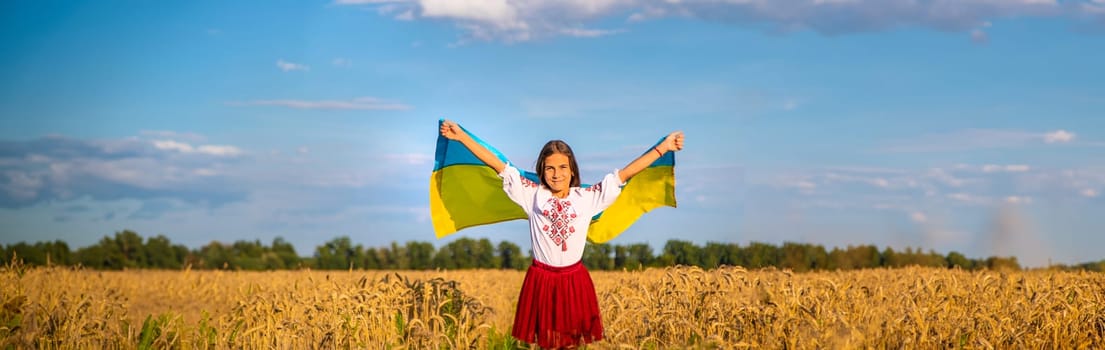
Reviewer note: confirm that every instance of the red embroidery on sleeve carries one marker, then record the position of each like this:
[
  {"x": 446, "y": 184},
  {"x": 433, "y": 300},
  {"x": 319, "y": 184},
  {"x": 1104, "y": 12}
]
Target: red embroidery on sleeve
[
  {"x": 594, "y": 188},
  {"x": 526, "y": 182}
]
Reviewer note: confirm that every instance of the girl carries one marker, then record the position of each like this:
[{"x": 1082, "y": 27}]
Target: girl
[{"x": 557, "y": 306}]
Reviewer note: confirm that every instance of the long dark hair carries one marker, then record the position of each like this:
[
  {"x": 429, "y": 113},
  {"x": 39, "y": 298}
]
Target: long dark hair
[{"x": 553, "y": 147}]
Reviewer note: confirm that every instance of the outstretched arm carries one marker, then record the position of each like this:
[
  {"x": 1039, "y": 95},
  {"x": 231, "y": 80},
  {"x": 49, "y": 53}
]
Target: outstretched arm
[
  {"x": 673, "y": 142},
  {"x": 452, "y": 131}
]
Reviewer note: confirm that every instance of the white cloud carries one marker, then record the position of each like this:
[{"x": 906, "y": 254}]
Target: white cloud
[
  {"x": 1012, "y": 168},
  {"x": 501, "y": 13},
  {"x": 945, "y": 177},
  {"x": 971, "y": 199},
  {"x": 975, "y": 185},
  {"x": 360, "y": 103},
  {"x": 1017, "y": 168},
  {"x": 1096, "y": 7},
  {"x": 146, "y": 173},
  {"x": 63, "y": 168},
  {"x": 588, "y": 33},
  {"x": 170, "y": 145},
  {"x": 974, "y": 139},
  {"x": 868, "y": 170},
  {"x": 166, "y": 190},
  {"x": 172, "y": 135},
  {"x": 368, "y": 2},
  {"x": 1059, "y": 136},
  {"x": 289, "y": 66},
  {"x": 508, "y": 20},
  {"x": 967, "y": 139},
  {"x": 182, "y": 147},
  {"x": 219, "y": 150},
  {"x": 22, "y": 186},
  {"x": 985, "y": 201},
  {"x": 805, "y": 185},
  {"x": 405, "y": 16},
  {"x": 342, "y": 62},
  {"x": 791, "y": 104},
  {"x": 880, "y": 182},
  {"x": 918, "y": 217},
  {"x": 962, "y": 140},
  {"x": 978, "y": 36},
  {"x": 38, "y": 158},
  {"x": 515, "y": 20},
  {"x": 962, "y": 197}
]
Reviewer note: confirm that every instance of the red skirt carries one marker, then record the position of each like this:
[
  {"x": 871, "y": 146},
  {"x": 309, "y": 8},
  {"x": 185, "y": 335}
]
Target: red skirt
[{"x": 557, "y": 307}]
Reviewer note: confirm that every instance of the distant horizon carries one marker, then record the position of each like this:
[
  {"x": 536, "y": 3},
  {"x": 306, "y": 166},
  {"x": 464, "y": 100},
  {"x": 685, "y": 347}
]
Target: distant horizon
[
  {"x": 972, "y": 126},
  {"x": 656, "y": 250}
]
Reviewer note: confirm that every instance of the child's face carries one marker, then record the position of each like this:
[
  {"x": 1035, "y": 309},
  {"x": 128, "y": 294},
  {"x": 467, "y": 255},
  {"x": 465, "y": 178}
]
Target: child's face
[{"x": 557, "y": 172}]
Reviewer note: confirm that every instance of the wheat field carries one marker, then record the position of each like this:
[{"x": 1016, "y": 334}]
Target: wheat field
[{"x": 677, "y": 307}]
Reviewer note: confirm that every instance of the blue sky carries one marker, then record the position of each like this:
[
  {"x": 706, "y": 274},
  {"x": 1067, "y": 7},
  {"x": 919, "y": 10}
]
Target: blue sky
[{"x": 970, "y": 125}]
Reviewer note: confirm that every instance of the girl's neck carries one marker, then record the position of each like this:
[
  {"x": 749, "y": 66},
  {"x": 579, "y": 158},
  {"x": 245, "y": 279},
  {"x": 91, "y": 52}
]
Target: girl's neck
[{"x": 562, "y": 194}]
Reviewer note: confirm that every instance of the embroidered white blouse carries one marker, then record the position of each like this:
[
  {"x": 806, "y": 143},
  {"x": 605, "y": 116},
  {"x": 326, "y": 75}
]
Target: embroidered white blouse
[{"x": 558, "y": 226}]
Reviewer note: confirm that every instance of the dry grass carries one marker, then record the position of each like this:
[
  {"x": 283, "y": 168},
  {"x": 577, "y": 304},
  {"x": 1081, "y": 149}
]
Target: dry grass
[{"x": 657, "y": 308}]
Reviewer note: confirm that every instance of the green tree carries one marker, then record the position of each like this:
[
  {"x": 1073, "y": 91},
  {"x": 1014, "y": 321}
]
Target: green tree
[
  {"x": 131, "y": 246},
  {"x": 57, "y": 253},
  {"x": 714, "y": 254},
  {"x": 510, "y": 256},
  {"x": 620, "y": 255},
  {"x": 890, "y": 258},
  {"x": 933, "y": 259},
  {"x": 336, "y": 254},
  {"x": 795, "y": 257},
  {"x": 638, "y": 256},
  {"x": 160, "y": 253},
  {"x": 399, "y": 258},
  {"x": 817, "y": 257},
  {"x": 681, "y": 252},
  {"x": 386, "y": 259},
  {"x": 484, "y": 253},
  {"x": 759, "y": 255},
  {"x": 93, "y": 256},
  {"x": 285, "y": 252},
  {"x": 215, "y": 255},
  {"x": 30, "y": 254},
  {"x": 598, "y": 256},
  {"x": 1002, "y": 263},
  {"x": 838, "y": 260},
  {"x": 865, "y": 257},
  {"x": 458, "y": 254},
  {"x": 421, "y": 255},
  {"x": 125, "y": 250},
  {"x": 247, "y": 255},
  {"x": 271, "y": 261},
  {"x": 371, "y": 259},
  {"x": 957, "y": 259}
]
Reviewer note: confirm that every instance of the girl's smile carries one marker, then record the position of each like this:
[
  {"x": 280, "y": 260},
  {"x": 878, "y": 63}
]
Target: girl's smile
[{"x": 558, "y": 174}]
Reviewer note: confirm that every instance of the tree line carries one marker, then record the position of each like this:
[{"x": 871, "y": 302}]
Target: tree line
[{"x": 128, "y": 250}]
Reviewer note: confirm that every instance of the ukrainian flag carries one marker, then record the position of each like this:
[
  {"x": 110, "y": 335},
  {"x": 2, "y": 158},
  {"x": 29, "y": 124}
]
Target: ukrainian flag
[{"x": 465, "y": 192}]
